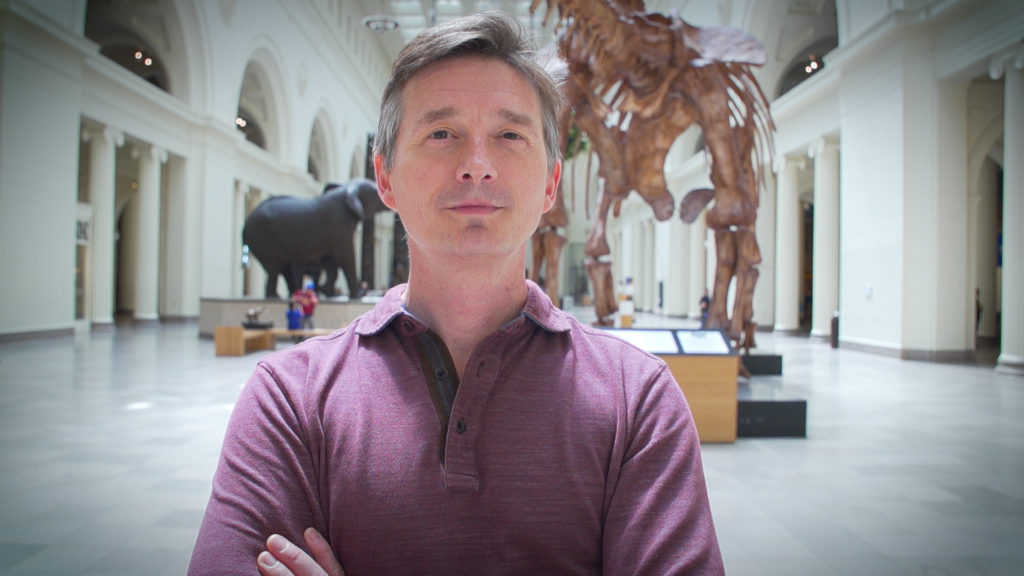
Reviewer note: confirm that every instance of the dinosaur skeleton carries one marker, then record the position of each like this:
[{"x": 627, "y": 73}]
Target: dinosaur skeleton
[{"x": 636, "y": 81}]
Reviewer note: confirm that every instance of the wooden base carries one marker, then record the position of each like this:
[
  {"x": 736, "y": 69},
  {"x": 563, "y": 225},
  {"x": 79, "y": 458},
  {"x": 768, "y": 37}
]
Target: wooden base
[
  {"x": 709, "y": 384},
  {"x": 298, "y": 335},
  {"x": 237, "y": 341},
  {"x": 330, "y": 313}
]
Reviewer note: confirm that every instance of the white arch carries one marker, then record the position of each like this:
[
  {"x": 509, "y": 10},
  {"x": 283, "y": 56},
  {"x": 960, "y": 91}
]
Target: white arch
[
  {"x": 160, "y": 29},
  {"x": 191, "y": 65},
  {"x": 765, "y": 20},
  {"x": 330, "y": 170},
  {"x": 264, "y": 61},
  {"x": 987, "y": 137}
]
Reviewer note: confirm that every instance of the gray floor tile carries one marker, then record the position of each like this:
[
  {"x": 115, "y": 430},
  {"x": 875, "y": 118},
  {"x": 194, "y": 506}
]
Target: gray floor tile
[{"x": 108, "y": 442}]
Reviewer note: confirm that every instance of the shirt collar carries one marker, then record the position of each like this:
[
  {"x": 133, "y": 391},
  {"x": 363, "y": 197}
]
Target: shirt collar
[{"x": 538, "y": 309}]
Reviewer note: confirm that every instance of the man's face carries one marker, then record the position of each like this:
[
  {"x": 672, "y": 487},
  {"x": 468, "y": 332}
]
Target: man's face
[{"x": 470, "y": 177}]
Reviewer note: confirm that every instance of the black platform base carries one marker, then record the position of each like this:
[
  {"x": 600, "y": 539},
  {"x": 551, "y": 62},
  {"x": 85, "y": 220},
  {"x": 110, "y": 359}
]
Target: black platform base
[
  {"x": 772, "y": 419},
  {"x": 762, "y": 364}
]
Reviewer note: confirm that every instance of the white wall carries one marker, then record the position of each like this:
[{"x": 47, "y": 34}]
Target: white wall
[
  {"x": 872, "y": 204},
  {"x": 39, "y": 142}
]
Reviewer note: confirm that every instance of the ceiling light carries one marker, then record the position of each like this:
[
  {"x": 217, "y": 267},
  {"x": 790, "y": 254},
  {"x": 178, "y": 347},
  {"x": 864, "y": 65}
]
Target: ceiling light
[{"x": 380, "y": 23}]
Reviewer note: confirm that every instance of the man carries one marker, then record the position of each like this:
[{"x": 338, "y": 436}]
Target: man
[
  {"x": 705, "y": 306},
  {"x": 464, "y": 425}
]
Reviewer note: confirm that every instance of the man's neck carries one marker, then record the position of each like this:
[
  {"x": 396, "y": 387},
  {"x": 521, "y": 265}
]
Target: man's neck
[{"x": 464, "y": 304}]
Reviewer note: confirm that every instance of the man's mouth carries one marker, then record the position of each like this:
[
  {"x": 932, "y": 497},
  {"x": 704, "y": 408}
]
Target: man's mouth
[{"x": 475, "y": 208}]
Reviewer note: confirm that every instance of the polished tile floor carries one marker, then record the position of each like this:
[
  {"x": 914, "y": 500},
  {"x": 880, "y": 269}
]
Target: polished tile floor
[{"x": 108, "y": 442}]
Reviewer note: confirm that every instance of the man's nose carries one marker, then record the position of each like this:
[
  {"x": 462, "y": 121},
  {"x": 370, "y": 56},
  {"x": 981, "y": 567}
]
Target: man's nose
[{"x": 477, "y": 165}]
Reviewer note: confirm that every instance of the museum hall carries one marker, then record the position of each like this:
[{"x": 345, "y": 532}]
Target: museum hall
[{"x": 866, "y": 419}]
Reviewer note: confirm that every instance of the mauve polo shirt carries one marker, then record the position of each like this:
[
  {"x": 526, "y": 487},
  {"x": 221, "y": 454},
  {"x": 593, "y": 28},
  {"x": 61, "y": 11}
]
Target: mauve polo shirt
[{"x": 562, "y": 450}]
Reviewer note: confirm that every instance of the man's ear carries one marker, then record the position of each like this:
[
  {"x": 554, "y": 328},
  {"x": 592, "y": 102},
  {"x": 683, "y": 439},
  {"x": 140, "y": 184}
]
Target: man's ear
[
  {"x": 384, "y": 189},
  {"x": 551, "y": 190}
]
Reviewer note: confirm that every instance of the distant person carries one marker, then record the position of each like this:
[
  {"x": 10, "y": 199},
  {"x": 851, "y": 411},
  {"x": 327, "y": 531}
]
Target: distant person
[
  {"x": 705, "y": 306},
  {"x": 977, "y": 310},
  {"x": 628, "y": 289},
  {"x": 464, "y": 425},
  {"x": 294, "y": 316},
  {"x": 307, "y": 301}
]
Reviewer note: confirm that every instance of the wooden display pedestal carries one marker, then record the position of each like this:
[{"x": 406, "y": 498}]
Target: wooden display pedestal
[
  {"x": 706, "y": 368},
  {"x": 709, "y": 384},
  {"x": 237, "y": 341}
]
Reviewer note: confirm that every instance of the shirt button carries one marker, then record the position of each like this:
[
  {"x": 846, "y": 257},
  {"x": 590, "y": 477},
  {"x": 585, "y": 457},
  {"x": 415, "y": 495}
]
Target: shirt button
[
  {"x": 440, "y": 373},
  {"x": 460, "y": 426}
]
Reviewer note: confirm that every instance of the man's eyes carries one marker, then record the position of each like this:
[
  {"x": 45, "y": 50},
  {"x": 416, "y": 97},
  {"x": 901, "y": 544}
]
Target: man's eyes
[{"x": 445, "y": 134}]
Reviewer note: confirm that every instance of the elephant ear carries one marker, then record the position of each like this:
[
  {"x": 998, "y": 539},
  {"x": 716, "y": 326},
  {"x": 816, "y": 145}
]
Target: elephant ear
[
  {"x": 721, "y": 44},
  {"x": 354, "y": 204}
]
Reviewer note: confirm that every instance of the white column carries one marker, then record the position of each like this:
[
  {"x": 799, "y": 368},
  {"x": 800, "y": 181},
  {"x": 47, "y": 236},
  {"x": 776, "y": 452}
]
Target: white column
[
  {"x": 1011, "y": 353},
  {"x": 764, "y": 290},
  {"x": 102, "y": 166},
  {"x": 787, "y": 248},
  {"x": 697, "y": 275},
  {"x": 825, "y": 290},
  {"x": 174, "y": 273},
  {"x": 147, "y": 254},
  {"x": 677, "y": 271},
  {"x": 238, "y": 277},
  {"x": 710, "y": 262},
  {"x": 987, "y": 240},
  {"x": 649, "y": 278}
]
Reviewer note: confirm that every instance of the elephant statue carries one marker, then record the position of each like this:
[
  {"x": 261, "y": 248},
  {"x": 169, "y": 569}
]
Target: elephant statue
[{"x": 301, "y": 236}]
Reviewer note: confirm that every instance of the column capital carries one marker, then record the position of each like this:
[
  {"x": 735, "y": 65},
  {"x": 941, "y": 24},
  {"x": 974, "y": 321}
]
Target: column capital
[
  {"x": 782, "y": 161},
  {"x": 821, "y": 145},
  {"x": 1012, "y": 56},
  {"x": 112, "y": 136},
  {"x": 253, "y": 193},
  {"x": 150, "y": 151}
]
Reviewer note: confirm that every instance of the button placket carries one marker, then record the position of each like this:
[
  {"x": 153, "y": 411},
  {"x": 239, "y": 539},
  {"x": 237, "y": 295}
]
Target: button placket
[{"x": 475, "y": 389}]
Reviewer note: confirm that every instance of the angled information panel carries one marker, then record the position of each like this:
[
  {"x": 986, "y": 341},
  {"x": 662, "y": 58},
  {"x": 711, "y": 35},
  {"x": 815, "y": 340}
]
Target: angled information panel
[
  {"x": 658, "y": 341},
  {"x": 703, "y": 342}
]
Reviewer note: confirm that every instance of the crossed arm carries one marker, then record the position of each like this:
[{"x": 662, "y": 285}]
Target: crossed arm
[{"x": 282, "y": 558}]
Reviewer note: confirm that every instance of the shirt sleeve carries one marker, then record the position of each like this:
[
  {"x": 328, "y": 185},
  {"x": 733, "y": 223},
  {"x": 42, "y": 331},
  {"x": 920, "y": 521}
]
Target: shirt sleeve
[
  {"x": 659, "y": 518},
  {"x": 265, "y": 481}
]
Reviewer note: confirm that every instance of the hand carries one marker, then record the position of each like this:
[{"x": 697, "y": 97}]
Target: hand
[{"x": 282, "y": 558}]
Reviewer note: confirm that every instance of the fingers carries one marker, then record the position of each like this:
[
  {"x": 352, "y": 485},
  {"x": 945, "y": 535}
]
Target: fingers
[
  {"x": 282, "y": 558},
  {"x": 269, "y": 566},
  {"x": 322, "y": 552}
]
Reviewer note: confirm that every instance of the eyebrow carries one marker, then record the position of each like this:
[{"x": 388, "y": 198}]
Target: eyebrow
[
  {"x": 449, "y": 111},
  {"x": 515, "y": 117}
]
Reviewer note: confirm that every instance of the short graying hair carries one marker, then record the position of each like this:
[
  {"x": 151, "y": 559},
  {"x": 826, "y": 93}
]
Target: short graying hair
[{"x": 490, "y": 34}]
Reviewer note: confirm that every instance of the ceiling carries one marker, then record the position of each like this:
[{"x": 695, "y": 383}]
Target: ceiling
[
  {"x": 788, "y": 28},
  {"x": 413, "y": 16}
]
